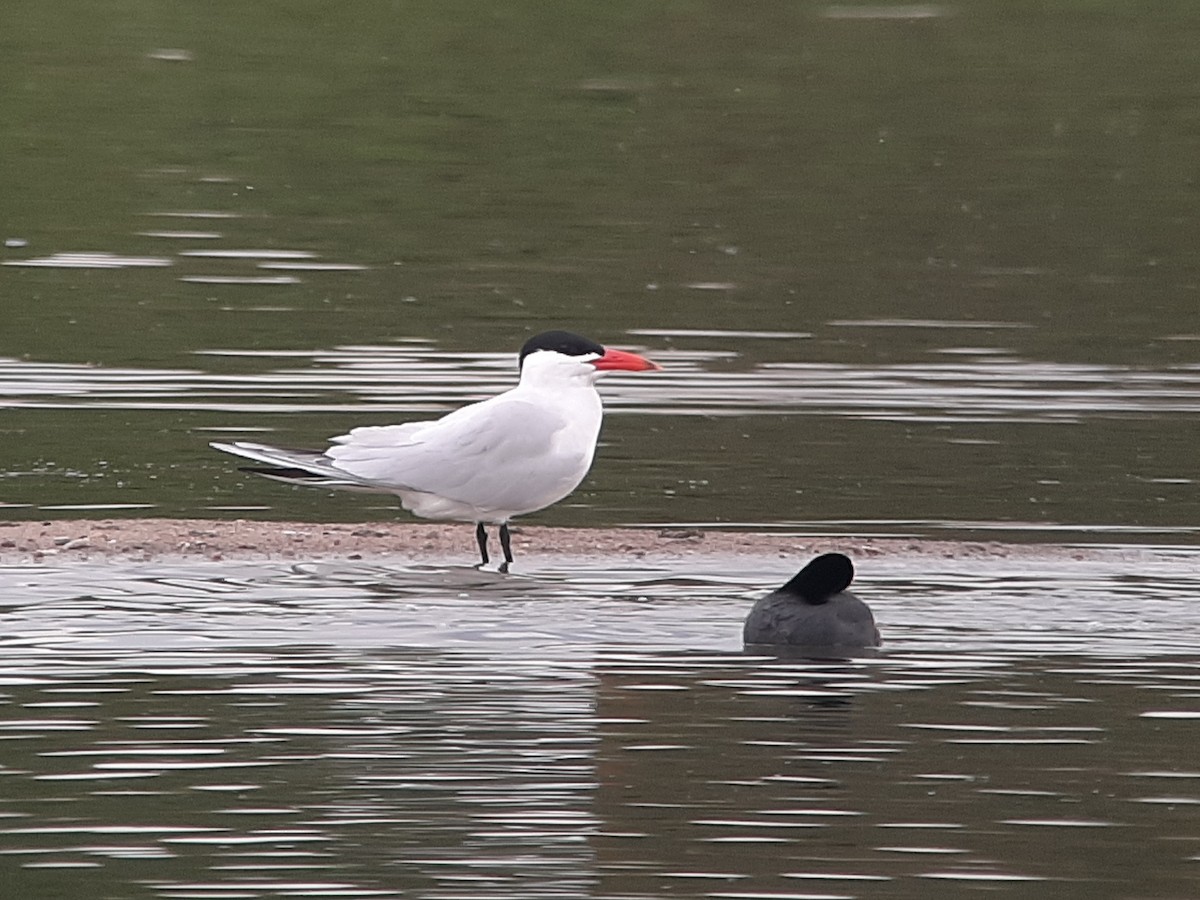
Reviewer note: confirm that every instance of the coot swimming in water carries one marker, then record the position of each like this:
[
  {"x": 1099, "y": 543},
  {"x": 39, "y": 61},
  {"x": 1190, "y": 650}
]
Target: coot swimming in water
[{"x": 814, "y": 609}]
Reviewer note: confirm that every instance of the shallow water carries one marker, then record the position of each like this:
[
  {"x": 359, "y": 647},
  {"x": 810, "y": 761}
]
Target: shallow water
[
  {"x": 913, "y": 269},
  {"x": 974, "y": 441},
  {"x": 261, "y": 730}
]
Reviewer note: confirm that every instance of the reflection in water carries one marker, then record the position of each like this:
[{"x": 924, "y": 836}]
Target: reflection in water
[
  {"x": 228, "y": 730},
  {"x": 103, "y": 260},
  {"x": 240, "y": 279},
  {"x": 231, "y": 732},
  {"x": 977, "y": 386},
  {"x": 294, "y": 260},
  {"x": 977, "y": 441},
  {"x": 889, "y": 179}
]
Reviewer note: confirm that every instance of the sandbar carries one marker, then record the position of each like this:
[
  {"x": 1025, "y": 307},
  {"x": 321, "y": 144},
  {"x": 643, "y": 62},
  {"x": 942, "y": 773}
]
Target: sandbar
[{"x": 78, "y": 540}]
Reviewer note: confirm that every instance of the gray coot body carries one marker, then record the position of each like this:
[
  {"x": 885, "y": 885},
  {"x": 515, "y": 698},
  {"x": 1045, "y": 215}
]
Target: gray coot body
[{"x": 814, "y": 609}]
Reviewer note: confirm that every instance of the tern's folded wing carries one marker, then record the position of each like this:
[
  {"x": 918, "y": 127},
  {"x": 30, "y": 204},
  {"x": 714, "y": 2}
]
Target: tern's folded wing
[{"x": 501, "y": 454}]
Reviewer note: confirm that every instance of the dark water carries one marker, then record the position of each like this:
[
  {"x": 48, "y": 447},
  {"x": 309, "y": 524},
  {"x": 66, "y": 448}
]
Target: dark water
[
  {"x": 915, "y": 269},
  {"x": 251, "y": 731},
  {"x": 912, "y": 269}
]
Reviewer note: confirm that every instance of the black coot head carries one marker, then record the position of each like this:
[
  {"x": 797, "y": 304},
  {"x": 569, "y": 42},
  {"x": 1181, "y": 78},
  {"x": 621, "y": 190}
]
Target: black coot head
[
  {"x": 825, "y": 576},
  {"x": 563, "y": 342}
]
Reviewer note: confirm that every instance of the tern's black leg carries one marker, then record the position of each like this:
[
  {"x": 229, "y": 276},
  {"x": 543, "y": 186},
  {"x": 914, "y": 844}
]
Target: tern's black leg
[
  {"x": 481, "y": 539},
  {"x": 506, "y": 545}
]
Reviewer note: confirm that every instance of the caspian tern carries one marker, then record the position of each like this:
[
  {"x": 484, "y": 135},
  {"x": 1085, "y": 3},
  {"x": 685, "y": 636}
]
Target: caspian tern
[
  {"x": 506, "y": 456},
  {"x": 814, "y": 609}
]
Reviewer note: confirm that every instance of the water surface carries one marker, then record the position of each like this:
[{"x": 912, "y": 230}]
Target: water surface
[
  {"x": 912, "y": 268},
  {"x": 222, "y": 730}
]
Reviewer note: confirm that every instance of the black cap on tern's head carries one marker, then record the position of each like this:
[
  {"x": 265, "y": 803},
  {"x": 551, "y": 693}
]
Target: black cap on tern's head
[
  {"x": 604, "y": 359},
  {"x": 563, "y": 342},
  {"x": 828, "y": 574}
]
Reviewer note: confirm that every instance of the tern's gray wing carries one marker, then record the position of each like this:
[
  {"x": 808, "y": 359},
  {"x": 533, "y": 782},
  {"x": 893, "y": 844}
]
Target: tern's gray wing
[{"x": 501, "y": 454}]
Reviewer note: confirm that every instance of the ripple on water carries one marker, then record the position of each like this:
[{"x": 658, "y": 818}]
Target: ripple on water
[
  {"x": 971, "y": 876},
  {"x": 88, "y": 260},
  {"x": 412, "y": 376},
  {"x": 582, "y": 731}
]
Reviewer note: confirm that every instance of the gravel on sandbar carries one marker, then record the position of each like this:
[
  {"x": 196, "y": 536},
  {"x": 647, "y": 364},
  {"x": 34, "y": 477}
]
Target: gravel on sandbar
[{"x": 243, "y": 539}]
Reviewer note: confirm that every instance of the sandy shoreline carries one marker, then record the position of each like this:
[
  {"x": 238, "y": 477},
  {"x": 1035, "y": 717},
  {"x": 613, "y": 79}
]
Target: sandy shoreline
[{"x": 204, "y": 539}]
